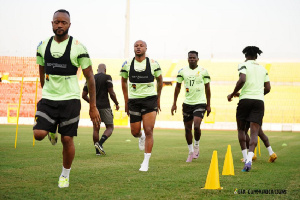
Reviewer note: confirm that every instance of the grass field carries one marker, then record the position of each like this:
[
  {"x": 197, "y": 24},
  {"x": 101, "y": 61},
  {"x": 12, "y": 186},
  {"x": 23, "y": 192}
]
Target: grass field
[{"x": 29, "y": 172}]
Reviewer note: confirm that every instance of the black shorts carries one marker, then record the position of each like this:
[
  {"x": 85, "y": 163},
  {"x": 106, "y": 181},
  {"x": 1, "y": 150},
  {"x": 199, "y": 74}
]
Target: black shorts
[
  {"x": 189, "y": 111},
  {"x": 250, "y": 110},
  {"x": 139, "y": 107},
  {"x": 64, "y": 114}
]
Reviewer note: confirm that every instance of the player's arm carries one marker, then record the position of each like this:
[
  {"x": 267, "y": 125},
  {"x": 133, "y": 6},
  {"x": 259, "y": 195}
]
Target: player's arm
[
  {"x": 239, "y": 84},
  {"x": 94, "y": 114},
  {"x": 208, "y": 95},
  {"x": 125, "y": 93},
  {"x": 85, "y": 96},
  {"x": 113, "y": 97},
  {"x": 159, "y": 86},
  {"x": 267, "y": 87},
  {"x": 42, "y": 75},
  {"x": 176, "y": 93}
]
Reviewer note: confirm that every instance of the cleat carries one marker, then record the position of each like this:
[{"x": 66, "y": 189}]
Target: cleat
[
  {"x": 63, "y": 182},
  {"x": 273, "y": 157},
  {"x": 254, "y": 158},
  {"x": 100, "y": 148},
  {"x": 142, "y": 143},
  {"x": 190, "y": 157},
  {"x": 247, "y": 167},
  {"x": 144, "y": 167},
  {"x": 98, "y": 152},
  {"x": 196, "y": 153},
  {"x": 53, "y": 138}
]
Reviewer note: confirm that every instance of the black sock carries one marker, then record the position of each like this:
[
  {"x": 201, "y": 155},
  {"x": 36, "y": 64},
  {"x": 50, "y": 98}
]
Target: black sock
[{"x": 103, "y": 139}]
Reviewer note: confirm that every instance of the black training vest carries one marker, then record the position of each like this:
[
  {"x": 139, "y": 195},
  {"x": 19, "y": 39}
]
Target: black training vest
[
  {"x": 59, "y": 66},
  {"x": 141, "y": 77}
]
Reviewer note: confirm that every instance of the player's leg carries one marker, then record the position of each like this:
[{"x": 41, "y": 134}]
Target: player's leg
[
  {"x": 69, "y": 120},
  {"x": 96, "y": 138},
  {"x": 197, "y": 135},
  {"x": 106, "y": 117},
  {"x": 266, "y": 142},
  {"x": 68, "y": 157},
  {"x": 149, "y": 112},
  {"x": 188, "y": 125},
  {"x": 242, "y": 137},
  {"x": 148, "y": 125}
]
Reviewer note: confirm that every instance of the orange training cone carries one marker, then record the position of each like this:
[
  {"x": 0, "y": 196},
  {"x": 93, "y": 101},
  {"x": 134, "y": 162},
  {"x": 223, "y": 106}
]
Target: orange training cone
[
  {"x": 228, "y": 168},
  {"x": 212, "y": 179}
]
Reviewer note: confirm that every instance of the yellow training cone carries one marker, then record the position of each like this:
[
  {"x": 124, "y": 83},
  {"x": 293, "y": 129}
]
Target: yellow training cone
[
  {"x": 212, "y": 179},
  {"x": 228, "y": 168}
]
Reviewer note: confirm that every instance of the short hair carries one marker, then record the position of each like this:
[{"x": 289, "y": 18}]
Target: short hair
[
  {"x": 194, "y": 52},
  {"x": 251, "y": 51},
  {"x": 63, "y": 11}
]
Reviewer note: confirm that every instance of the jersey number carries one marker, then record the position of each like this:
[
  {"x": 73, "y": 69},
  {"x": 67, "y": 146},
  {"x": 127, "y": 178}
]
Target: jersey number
[{"x": 192, "y": 82}]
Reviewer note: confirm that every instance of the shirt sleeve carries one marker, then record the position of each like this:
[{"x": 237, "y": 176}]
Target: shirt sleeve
[
  {"x": 39, "y": 57},
  {"x": 124, "y": 70},
  {"x": 206, "y": 77},
  {"x": 156, "y": 68},
  {"x": 85, "y": 88},
  {"x": 83, "y": 57},
  {"x": 109, "y": 83},
  {"x": 179, "y": 77},
  {"x": 242, "y": 68}
]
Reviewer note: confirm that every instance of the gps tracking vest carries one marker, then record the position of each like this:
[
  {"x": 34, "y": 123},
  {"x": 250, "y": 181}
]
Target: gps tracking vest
[
  {"x": 59, "y": 66},
  {"x": 141, "y": 77}
]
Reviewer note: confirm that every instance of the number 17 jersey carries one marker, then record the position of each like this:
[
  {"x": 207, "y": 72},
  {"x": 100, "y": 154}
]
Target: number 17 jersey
[{"x": 194, "y": 81}]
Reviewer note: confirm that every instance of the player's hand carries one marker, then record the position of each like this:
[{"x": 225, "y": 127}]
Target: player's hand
[
  {"x": 117, "y": 107},
  {"x": 208, "y": 110},
  {"x": 229, "y": 97},
  {"x": 174, "y": 108},
  {"x": 236, "y": 95},
  {"x": 158, "y": 106},
  {"x": 95, "y": 117},
  {"x": 126, "y": 108}
]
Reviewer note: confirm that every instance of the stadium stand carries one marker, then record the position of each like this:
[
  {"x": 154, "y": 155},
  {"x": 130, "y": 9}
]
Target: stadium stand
[{"x": 282, "y": 104}]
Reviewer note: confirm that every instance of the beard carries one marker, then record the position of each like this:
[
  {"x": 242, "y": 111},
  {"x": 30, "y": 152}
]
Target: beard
[{"x": 60, "y": 34}]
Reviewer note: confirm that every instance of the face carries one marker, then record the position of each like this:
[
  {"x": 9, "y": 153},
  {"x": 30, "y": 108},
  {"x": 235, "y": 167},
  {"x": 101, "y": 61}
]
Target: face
[
  {"x": 140, "y": 48},
  {"x": 193, "y": 59},
  {"x": 61, "y": 24}
]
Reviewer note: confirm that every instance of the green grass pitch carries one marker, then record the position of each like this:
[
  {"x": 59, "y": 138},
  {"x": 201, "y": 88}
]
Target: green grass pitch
[{"x": 29, "y": 172}]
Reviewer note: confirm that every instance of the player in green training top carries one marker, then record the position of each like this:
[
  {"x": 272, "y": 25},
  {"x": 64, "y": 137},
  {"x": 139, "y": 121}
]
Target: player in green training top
[
  {"x": 143, "y": 101},
  {"x": 58, "y": 58},
  {"x": 254, "y": 84},
  {"x": 197, "y": 101}
]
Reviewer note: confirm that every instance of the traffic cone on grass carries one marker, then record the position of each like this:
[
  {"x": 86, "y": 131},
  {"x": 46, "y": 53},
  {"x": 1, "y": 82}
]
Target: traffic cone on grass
[
  {"x": 228, "y": 168},
  {"x": 212, "y": 179}
]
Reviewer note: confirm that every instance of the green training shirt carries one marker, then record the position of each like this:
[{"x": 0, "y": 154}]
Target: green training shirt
[
  {"x": 140, "y": 90},
  {"x": 256, "y": 76},
  {"x": 194, "y": 80},
  {"x": 57, "y": 87}
]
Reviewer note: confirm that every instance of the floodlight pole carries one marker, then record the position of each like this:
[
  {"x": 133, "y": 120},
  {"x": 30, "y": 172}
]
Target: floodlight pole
[{"x": 127, "y": 16}]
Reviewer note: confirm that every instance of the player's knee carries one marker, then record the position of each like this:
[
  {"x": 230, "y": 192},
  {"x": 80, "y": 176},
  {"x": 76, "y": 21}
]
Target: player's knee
[
  {"x": 39, "y": 134},
  {"x": 197, "y": 129},
  {"x": 148, "y": 131},
  {"x": 135, "y": 133},
  {"x": 66, "y": 140}
]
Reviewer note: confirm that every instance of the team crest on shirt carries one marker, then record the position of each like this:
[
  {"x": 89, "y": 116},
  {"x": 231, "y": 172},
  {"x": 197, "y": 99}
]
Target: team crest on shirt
[
  {"x": 134, "y": 86},
  {"x": 47, "y": 77},
  {"x": 187, "y": 89}
]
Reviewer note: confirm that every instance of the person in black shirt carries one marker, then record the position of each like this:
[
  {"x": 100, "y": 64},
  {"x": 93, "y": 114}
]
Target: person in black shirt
[{"x": 104, "y": 85}]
